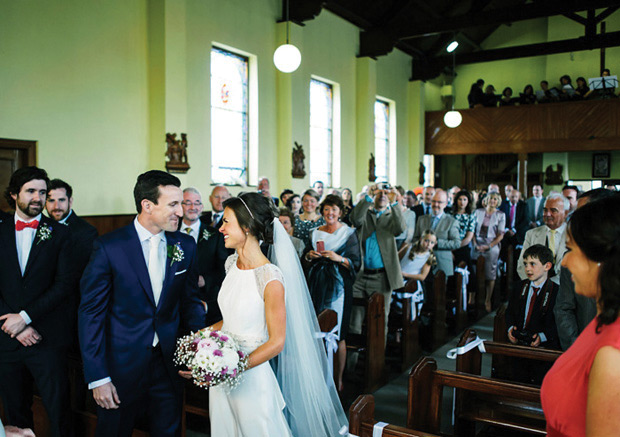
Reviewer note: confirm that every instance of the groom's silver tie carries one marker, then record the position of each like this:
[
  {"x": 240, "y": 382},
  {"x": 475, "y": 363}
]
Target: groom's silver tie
[{"x": 156, "y": 273}]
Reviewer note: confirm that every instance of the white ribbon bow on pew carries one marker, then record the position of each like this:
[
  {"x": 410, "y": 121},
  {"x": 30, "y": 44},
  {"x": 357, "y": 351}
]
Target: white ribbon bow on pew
[
  {"x": 377, "y": 430},
  {"x": 477, "y": 343},
  {"x": 464, "y": 271},
  {"x": 417, "y": 298},
  {"x": 331, "y": 344}
]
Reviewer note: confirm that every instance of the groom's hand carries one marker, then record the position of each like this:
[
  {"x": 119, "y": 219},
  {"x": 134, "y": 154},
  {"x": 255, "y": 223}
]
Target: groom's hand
[
  {"x": 106, "y": 396},
  {"x": 29, "y": 337}
]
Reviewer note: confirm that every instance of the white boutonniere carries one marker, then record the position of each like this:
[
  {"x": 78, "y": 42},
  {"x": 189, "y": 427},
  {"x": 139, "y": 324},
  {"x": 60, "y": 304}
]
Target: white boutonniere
[
  {"x": 175, "y": 253},
  {"x": 206, "y": 234},
  {"x": 44, "y": 233}
]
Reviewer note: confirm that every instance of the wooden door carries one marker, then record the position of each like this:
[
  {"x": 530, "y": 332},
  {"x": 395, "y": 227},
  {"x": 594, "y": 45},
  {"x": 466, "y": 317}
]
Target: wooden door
[{"x": 14, "y": 154}]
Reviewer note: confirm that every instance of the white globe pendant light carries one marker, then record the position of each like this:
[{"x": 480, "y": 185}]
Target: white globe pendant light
[
  {"x": 452, "y": 119},
  {"x": 287, "y": 57}
]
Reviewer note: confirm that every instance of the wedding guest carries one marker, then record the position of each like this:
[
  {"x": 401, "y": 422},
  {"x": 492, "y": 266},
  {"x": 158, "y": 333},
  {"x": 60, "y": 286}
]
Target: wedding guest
[
  {"x": 378, "y": 221},
  {"x": 527, "y": 97},
  {"x": 493, "y": 188},
  {"x": 516, "y": 219},
  {"x": 294, "y": 204},
  {"x": 506, "y": 99},
  {"x": 462, "y": 211},
  {"x": 218, "y": 195},
  {"x": 573, "y": 311},
  {"x": 416, "y": 261},
  {"x": 211, "y": 252},
  {"x": 582, "y": 89},
  {"x": 319, "y": 187},
  {"x": 580, "y": 395},
  {"x": 138, "y": 290},
  {"x": 552, "y": 234},
  {"x": 490, "y": 227},
  {"x": 332, "y": 272},
  {"x": 347, "y": 200},
  {"x": 451, "y": 192},
  {"x": 489, "y": 99},
  {"x": 285, "y": 194},
  {"x": 263, "y": 188},
  {"x": 287, "y": 218},
  {"x": 37, "y": 276},
  {"x": 309, "y": 219},
  {"x": 411, "y": 200},
  {"x": 409, "y": 216},
  {"x": 475, "y": 96},
  {"x": 425, "y": 206},
  {"x": 535, "y": 207},
  {"x": 566, "y": 87},
  {"x": 445, "y": 227},
  {"x": 571, "y": 192},
  {"x": 59, "y": 206}
]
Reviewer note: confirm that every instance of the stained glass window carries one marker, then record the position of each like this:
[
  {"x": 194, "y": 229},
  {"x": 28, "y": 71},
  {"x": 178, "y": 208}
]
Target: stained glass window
[
  {"x": 229, "y": 117},
  {"x": 321, "y": 131},
  {"x": 382, "y": 140}
]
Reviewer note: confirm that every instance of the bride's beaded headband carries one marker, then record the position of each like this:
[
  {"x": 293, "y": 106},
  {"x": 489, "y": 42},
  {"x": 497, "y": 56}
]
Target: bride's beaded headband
[{"x": 246, "y": 207}]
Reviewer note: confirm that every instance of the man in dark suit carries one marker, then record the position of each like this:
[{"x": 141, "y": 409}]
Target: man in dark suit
[
  {"x": 424, "y": 207},
  {"x": 516, "y": 219},
  {"x": 211, "y": 251},
  {"x": 140, "y": 283},
  {"x": 59, "y": 206},
  {"x": 219, "y": 194},
  {"x": 36, "y": 279}
]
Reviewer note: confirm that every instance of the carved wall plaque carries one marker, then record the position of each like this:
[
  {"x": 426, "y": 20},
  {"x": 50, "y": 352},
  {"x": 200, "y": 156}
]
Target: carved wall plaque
[
  {"x": 176, "y": 152},
  {"x": 299, "y": 171}
]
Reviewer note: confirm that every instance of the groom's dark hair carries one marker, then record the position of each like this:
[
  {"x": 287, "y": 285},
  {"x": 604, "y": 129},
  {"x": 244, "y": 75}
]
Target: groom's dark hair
[{"x": 147, "y": 186}]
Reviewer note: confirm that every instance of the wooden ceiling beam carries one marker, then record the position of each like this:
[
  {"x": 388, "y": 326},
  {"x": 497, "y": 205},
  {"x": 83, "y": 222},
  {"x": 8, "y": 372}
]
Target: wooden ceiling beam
[{"x": 495, "y": 17}]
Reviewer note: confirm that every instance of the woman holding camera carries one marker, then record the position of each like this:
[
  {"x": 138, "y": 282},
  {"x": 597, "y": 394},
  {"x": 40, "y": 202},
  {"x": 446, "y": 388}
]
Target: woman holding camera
[{"x": 581, "y": 393}]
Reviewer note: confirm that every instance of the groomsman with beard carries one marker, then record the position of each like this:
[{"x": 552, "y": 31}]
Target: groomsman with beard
[
  {"x": 212, "y": 253},
  {"x": 36, "y": 278},
  {"x": 59, "y": 206},
  {"x": 139, "y": 287}
]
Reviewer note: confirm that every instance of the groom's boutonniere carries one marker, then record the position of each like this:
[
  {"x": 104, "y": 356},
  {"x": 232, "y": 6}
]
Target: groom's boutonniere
[
  {"x": 206, "y": 234},
  {"x": 44, "y": 233},
  {"x": 175, "y": 253}
]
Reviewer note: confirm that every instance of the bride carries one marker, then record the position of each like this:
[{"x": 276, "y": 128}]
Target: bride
[{"x": 266, "y": 307}]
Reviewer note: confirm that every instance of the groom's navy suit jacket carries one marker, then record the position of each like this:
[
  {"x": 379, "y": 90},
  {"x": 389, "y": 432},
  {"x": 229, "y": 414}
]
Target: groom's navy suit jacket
[{"x": 118, "y": 318}]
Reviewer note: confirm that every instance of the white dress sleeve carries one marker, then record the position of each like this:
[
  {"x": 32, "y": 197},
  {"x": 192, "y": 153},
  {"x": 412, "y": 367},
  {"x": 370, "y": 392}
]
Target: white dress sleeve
[
  {"x": 230, "y": 261},
  {"x": 265, "y": 274}
]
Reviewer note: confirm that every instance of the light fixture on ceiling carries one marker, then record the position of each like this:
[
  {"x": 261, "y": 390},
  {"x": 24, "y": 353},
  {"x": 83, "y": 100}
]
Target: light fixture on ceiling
[
  {"x": 287, "y": 57},
  {"x": 452, "y": 46},
  {"x": 453, "y": 118}
]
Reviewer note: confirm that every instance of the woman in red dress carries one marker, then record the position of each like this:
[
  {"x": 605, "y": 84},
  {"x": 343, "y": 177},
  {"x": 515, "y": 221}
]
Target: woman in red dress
[{"x": 581, "y": 393}]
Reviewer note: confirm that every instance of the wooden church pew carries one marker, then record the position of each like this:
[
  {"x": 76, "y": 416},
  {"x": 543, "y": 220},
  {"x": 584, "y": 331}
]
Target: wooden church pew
[{"x": 362, "y": 421}]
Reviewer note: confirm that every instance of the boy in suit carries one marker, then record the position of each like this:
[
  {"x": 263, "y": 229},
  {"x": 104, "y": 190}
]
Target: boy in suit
[{"x": 530, "y": 312}]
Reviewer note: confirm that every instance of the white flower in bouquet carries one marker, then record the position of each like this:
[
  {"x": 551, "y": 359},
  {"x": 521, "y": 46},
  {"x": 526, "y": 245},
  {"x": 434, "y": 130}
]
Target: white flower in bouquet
[{"x": 230, "y": 358}]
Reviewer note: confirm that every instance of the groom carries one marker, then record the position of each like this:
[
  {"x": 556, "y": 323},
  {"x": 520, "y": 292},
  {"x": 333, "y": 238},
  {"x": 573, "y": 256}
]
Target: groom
[{"x": 140, "y": 283}]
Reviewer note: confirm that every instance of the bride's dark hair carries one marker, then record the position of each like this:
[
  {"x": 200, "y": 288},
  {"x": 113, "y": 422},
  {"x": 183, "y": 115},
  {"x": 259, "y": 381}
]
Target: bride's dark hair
[{"x": 260, "y": 221}]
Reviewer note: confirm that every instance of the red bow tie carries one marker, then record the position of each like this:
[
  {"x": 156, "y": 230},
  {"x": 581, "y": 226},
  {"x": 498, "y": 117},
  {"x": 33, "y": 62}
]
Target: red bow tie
[{"x": 20, "y": 225}]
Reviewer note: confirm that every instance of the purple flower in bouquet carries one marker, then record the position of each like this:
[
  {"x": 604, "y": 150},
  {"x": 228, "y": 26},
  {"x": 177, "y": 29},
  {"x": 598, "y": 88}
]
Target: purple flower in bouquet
[
  {"x": 218, "y": 353},
  {"x": 223, "y": 338},
  {"x": 224, "y": 371},
  {"x": 214, "y": 334},
  {"x": 240, "y": 353}
]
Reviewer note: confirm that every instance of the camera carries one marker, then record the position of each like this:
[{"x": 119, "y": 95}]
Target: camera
[
  {"x": 524, "y": 337},
  {"x": 384, "y": 186}
]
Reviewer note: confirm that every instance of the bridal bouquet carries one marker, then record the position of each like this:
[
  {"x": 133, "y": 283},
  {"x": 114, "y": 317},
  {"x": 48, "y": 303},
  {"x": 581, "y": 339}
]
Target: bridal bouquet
[{"x": 213, "y": 357}]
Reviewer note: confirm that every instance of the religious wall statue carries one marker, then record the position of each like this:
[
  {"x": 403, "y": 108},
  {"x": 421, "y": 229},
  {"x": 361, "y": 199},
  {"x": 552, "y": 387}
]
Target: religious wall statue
[
  {"x": 299, "y": 171},
  {"x": 554, "y": 177},
  {"x": 421, "y": 171},
  {"x": 176, "y": 152},
  {"x": 371, "y": 168}
]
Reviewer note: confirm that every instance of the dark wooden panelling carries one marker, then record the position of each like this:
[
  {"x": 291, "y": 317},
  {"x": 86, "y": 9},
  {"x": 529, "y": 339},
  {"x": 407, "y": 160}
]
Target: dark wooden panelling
[
  {"x": 108, "y": 223},
  {"x": 559, "y": 127}
]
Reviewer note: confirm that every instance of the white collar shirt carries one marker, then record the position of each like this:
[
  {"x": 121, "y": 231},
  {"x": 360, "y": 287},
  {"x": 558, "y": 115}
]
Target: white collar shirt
[
  {"x": 194, "y": 229},
  {"x": 144, "y": 236},
  {"x": 64, "y": 221},
  {"x": 23, "y": 241}
]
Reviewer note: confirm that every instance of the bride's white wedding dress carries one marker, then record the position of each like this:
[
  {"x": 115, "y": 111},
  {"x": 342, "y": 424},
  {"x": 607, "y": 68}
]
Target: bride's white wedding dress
[{"x": 255, "y": 406}]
